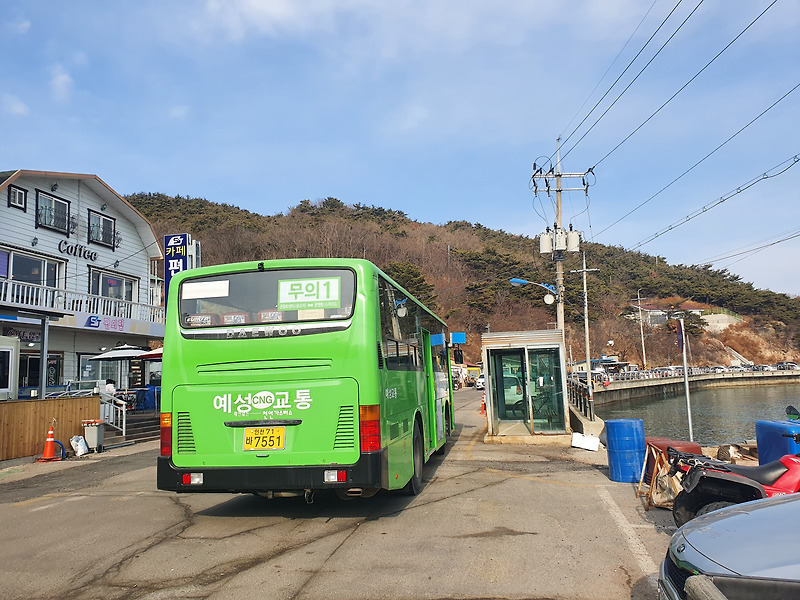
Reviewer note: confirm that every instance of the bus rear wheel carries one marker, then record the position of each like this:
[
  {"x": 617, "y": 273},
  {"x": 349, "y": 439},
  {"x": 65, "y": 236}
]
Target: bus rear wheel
[{"x": 414, "y": 485}]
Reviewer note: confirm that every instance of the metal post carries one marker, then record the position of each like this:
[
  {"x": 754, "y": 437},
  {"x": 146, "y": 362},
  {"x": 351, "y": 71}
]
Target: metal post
[
  {"x": 641, "y": 329},
  {"x": 588, "y": 348},
  {"x": 590, "y": 391},
  {"x": 682, "y": 334},
  {"x": 43, "y": 357}
]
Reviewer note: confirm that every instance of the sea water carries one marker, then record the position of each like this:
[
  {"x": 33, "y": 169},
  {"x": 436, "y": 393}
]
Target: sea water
[{"x": 719, "y": 415}]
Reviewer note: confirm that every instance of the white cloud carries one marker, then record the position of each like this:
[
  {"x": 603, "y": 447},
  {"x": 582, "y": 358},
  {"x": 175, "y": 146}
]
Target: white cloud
[
  {"x": 240, "y": 17},
  {"x": 178, "y": 112},
  {"x": 80, "y": 59},
  {"x": 12, "y": 105},
  {"x": 60, "y": 83},
  {"x": 383, "y": 29},
  {"x": 18, "y": 27},
  {"x": 408, "y": 119}
]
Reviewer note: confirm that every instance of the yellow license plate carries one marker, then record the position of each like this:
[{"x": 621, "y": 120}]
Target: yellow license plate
[{"x": 264, "y": 438}]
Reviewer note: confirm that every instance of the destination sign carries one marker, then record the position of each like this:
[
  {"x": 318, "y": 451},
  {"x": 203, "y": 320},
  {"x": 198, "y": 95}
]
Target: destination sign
[{"x": 302, "y": 294}]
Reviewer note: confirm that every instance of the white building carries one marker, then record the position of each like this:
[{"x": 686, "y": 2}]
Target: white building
[{"x": 78, "y": 276}]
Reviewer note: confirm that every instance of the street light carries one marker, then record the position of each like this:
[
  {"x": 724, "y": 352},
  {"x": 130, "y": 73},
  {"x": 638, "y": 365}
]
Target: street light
[
  {"x": 584, "y": 270},
  {"x": 641, "y": 328},
  {"x": 548, "y": 299}
]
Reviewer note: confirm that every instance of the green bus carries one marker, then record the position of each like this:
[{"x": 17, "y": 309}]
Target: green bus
[{"x": 287, "y": 377}]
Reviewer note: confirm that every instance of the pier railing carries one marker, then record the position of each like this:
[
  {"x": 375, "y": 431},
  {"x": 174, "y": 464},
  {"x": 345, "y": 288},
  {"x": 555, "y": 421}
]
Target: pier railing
[
  {"x": 613, "y": 387},
  {"x": 580, "y": 397}
]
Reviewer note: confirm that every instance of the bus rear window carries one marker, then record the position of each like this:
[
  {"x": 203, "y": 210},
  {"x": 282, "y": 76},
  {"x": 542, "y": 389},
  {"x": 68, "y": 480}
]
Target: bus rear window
[{"x": 267, "y": 297}]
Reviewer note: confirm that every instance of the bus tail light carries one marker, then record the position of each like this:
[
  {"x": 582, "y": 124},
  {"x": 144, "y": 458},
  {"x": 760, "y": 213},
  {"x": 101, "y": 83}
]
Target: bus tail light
[
  {"x": 369, "y": 428},
  {"x": 192, "y": 479},
  {"x": 166, "y": 434},
  {"x": 334, "y": 476}
]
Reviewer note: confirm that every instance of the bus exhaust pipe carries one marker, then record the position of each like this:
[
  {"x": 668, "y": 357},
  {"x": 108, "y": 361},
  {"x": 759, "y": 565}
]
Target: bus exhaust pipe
[
  {"x": 309, "y": 497},
  {"x": 361, "y": 492}
]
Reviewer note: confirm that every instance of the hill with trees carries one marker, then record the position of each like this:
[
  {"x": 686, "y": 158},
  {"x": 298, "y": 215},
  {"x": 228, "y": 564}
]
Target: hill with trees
[{"x": 463, "y": 269}]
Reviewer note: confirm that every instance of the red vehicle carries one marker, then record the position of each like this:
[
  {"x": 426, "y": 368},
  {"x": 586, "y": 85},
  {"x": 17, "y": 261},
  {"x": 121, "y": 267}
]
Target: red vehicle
[{"x": 711, "y": 484}]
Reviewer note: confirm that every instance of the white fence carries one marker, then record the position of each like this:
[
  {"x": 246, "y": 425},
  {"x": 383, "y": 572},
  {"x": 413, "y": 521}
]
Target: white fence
[{"x": 28, "y": 295}]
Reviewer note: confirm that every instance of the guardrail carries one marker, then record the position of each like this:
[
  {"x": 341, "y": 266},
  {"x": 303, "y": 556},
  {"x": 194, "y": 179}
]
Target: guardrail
[
  {"x": 678, "y": 373},
  {"x": 580, "y": 397}
]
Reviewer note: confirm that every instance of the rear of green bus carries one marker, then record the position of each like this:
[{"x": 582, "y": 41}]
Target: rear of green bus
[{"x": 271, "y": 380}]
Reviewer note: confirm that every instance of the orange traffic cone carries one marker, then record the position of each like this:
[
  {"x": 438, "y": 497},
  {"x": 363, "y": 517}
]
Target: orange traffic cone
[
  {"x": 483, "y": 404},
  {"x": 49, "y": 448}
]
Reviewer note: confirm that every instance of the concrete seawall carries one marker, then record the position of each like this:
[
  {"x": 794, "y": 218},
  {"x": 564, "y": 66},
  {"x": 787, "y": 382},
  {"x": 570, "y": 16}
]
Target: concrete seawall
[{"x": 617, "y": 391}]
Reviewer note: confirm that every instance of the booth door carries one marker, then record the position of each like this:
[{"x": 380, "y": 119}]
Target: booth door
[
  {"x": 547, "y": 394},
  {"x": 9, "y": 367},
  {"x": 509, "y": 385}
]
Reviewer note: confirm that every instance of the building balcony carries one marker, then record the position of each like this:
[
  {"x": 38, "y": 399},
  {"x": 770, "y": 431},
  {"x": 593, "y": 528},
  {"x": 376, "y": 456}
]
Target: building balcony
[{"x": 20, "y": 296}]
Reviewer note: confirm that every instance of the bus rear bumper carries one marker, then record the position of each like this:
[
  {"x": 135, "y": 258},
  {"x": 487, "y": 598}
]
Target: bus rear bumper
[{"x": 370, "y": 471}]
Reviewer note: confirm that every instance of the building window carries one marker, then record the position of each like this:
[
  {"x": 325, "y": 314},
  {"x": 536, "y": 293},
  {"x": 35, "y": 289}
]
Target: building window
[
  {"x": 29, "y": 368},
  {"x": 17, "y": 197},
  {"x": 52, "y": 212},
  {"x": 102, "y": 229},
  {"x": 110, "y": 285},
  {"x": 29, "y": 269}
]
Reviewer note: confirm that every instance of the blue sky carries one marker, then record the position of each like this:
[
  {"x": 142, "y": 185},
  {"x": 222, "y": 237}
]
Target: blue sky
[{"x": 435, "y": 108}]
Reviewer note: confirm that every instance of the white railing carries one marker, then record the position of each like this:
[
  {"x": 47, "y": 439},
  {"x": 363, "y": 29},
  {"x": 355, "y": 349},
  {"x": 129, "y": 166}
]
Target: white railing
[
  {"x": 28, "y": 295},
  {"x": 112, "y": 412}
]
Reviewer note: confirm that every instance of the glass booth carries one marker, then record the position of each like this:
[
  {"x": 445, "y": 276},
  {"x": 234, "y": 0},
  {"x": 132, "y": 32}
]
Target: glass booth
[{"x": 525, "y": 383}]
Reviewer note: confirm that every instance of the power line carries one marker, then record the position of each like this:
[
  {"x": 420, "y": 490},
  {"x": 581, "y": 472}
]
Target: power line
[
  {"x": 78, "y": 276},
  {"x": 700, "y": 211},
  {"x": 747, "y": 253},
  {"x": 683, "y": 87},
  {"x": 748, "y": 247},
  {"x": 695, "y": 165},
  {"x": 627, "y": 87},
  {"x": 623, "y": 72}
]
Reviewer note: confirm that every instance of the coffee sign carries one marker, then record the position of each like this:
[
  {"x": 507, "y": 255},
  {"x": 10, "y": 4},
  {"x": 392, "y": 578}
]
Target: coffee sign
[{"x": 77, "y": 250}]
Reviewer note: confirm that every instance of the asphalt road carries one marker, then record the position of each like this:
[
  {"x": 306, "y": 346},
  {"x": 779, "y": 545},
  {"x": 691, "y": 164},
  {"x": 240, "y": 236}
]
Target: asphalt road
[{"x": 492, "y": 521}]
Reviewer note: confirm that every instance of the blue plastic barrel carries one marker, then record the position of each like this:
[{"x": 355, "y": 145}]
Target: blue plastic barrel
[
  {"x": 626, "y": 449},
  {"x": 772, "y": 441}
]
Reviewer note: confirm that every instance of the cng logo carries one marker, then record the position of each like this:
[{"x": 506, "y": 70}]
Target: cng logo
[
  {"x": 93, "y": 321},
  {"x": 263, "y": 399}
]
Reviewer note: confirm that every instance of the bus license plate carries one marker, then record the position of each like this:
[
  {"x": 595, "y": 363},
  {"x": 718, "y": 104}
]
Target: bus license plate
[{"x": 264, "y": 438}]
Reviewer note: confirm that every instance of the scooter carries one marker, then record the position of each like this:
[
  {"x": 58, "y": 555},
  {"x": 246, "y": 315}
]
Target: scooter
[{"x": 710, "y": 484}]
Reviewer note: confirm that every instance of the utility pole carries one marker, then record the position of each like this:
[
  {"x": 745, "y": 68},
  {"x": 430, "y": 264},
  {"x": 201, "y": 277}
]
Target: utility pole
[
  {"x": 584, "y": 270},
  {"x": 559, "y": 241},
  {"x": 560, "y": 256}
]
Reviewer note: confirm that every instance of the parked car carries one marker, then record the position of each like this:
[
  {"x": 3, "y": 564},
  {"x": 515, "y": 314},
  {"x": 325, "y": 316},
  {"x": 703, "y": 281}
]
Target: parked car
[
  {"x": 748, "y": 550},
  {"x": 480, "y": 382},
  {"x": 667, "y": 371},
  {"x": 512, "y": 386},
  {"x": 598, "y": 374},
  {"x": 719, "y": 369},
  {"x": 787, "y": 366}
]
